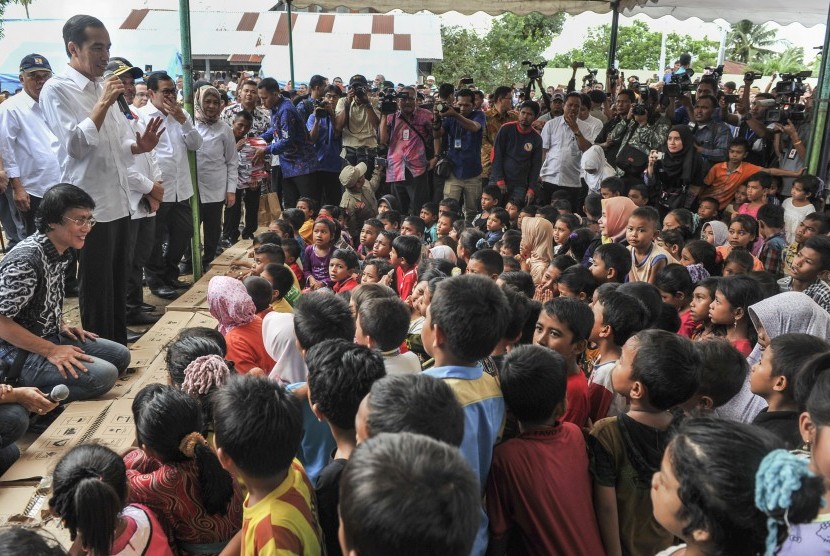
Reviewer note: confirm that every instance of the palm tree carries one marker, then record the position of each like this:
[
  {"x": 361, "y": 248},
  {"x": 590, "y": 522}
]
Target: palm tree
[{"x": 748, "y": 42}]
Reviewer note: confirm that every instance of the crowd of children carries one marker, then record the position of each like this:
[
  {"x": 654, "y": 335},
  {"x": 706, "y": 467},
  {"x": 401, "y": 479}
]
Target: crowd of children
[{"x": 528, "y": 381}]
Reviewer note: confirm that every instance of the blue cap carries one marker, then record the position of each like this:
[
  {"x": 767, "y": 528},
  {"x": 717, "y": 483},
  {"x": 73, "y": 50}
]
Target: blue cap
[{"x": 34, "y": 62}]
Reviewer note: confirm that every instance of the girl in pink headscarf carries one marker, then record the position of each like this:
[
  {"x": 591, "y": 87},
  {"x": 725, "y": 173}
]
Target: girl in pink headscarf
[{"x": 231, "y": 305}]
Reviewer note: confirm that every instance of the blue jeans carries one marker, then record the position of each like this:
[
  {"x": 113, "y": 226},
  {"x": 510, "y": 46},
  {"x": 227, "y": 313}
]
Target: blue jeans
[
  {"x": 109, "y": 360},
  {"x": 14, "y": 420}
]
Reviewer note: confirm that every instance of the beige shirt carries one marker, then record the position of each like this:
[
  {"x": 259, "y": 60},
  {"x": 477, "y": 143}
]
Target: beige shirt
[{"x": 357, "y": 132}]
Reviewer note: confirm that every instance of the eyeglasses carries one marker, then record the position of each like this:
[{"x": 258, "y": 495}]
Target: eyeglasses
[
  {"x": 168, "y": 92},
  {"x": 81, "y": 222}
]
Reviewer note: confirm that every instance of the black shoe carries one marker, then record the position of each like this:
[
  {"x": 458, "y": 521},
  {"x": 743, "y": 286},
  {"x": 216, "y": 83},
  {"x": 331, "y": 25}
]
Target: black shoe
[
  {"x": 165, "y": 292},
  {"x": 179, "y": 285},
  {"x": 225, "y": 243},
  {"x": 147, "y": 308},
  {"x": 133, "y": 336},
  {"x": 142, "y": 318},
  {"x": 185, "y": 268}
]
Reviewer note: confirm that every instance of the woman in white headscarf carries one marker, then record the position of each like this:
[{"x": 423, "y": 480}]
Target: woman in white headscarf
[
  {"x": 594, "y": 168},
  {"x": 281, "y": 344}
]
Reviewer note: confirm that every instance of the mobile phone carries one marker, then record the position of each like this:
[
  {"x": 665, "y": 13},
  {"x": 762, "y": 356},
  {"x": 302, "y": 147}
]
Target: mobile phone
[{"x": 660, "y": 155}]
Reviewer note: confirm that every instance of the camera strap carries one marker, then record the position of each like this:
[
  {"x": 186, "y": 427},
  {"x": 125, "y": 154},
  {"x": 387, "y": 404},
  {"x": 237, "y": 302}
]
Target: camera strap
[{"x": 409, "y": 125}]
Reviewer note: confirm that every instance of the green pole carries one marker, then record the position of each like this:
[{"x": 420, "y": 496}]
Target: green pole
[
  {"x": 187, "y": 94},
  {"x": 818, "y": 133},
  {"x": 290, "y": 45}
]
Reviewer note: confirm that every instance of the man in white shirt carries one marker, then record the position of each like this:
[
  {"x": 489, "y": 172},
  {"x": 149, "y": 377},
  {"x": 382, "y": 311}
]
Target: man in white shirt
[
  {"x": 146, "y": 193},
  {"x": 564, "y": 139},
  {"x": 174, "y": 223},
  {"x": 141, "y": 96},
  {"x": 29, "y": 148},
  {"x": 96, "y": 148}
]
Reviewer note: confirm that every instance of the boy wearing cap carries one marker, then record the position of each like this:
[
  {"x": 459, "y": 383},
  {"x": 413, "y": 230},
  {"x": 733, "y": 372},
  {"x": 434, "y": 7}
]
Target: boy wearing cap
[
  {"x": 29, "y": 149},
  {"x": 359, "y": 195}
]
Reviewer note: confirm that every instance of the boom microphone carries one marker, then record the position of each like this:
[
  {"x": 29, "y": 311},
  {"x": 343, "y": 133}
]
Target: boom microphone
[
  {"x": 122, "y": 102},
  {"x": 59, "y": 393}
]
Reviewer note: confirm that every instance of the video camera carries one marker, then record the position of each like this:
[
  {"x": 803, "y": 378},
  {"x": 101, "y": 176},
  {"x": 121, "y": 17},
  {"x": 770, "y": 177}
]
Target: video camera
[
  {"x": 590, "y": 78},
  {"x": 388, "y": 101},
  {"x": 752, "y": 76},
  {"x": 535, "y": 71},
  {"x": 792, "y": 84},
  {"x": 716, "y": 71},
  {"x": 787, "y": 94},
  {"x": 680, "y": 83}
]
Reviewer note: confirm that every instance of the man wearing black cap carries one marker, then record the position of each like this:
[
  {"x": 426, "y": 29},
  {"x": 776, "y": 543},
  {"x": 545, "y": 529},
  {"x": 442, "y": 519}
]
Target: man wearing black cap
[
  {"x": 29, "y": 147},
  {"x": 358, "y": 121},
  {"x": 96, "y": 147}
]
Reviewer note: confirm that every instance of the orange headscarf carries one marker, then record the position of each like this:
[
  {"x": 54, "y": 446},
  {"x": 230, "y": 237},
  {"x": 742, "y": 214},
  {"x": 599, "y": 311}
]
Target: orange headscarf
[
  {"x": 616, "y": 211},
  {"x": 537, "y": 234}
]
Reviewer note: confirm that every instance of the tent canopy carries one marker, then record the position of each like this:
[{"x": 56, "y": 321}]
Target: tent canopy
[{"x": 808, "y": 12}]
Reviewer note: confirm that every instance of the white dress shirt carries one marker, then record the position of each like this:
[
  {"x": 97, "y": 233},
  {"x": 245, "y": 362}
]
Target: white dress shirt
[
  {"x": 561, "y": 165},
  {"x": 171, "y": 152},
  {"x": 217, "y": 162},
  {"x": 94, "y": 160},
  {"x": 28, "y": 146},
  {"x": 144, "y": 172}
]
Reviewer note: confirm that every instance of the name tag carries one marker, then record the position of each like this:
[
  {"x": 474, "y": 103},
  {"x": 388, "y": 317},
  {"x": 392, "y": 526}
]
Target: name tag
[
  {"x": 285, "y": 134},
  {"x": 405, "y": 135},
  {"x": 793, "y": 154},
  {"x": 458, "y": 143}
]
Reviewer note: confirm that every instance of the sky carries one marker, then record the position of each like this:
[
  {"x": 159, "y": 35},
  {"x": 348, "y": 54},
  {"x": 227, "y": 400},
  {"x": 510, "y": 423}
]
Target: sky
[{"x": 574, "y": 30}]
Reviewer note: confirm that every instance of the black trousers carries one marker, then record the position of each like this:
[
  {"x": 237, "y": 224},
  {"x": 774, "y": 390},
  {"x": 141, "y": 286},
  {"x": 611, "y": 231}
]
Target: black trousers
[
  {"x": 330, "y": 188},
  {"x": 250, "y": 199},
  {"x": 29, "y": 217},
  {"x": 174, "y": 222},
  {"x": 574, "y": 195},
  {"x": 211, "y": 215},
  {"x": 102, "y": 279},
  {"x": 412, "y": 193},
  {"x": 300, "y": 186},
  {"x": 142, "y": 239}
]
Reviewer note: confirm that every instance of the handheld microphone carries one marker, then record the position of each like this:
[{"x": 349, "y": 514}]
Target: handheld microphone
[
  {"x": 59, "y": 393},
  {"x": 122, "y": 102}
]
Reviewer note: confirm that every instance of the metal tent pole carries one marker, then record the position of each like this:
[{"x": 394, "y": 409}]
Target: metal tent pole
[{"x": 819, "y": 133}]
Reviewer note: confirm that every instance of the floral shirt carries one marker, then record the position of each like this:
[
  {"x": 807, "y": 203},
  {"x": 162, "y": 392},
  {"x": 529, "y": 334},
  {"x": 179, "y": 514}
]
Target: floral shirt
[{"x": 407, "y": 147}]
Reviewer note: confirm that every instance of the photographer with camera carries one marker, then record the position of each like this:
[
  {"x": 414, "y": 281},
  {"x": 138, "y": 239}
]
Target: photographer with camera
[
  {"x": 707, "y": 85},
  {"x": 305, "y": 104},
  {"x": 610, "y": 135},
  {"x": 410, "y": 154},
  {"x": 327, "y": 145},
  {"x": 461, "y": 131},
  {"x": 641, "y": 131},
  {"x": 357, "y": 121}
]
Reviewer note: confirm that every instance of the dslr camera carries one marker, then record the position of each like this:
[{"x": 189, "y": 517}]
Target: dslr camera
[
  {"x": 680, "y": 83},
  {"x": 752, "y": 76},
  {"x": 535, "y": 71},
  {"x": 320, "y": 108},
  {"x": 388, "y": 101}
]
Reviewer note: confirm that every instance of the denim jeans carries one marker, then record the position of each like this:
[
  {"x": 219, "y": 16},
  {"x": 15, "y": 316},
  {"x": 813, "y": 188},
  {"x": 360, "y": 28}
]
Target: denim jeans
[
  {"x": 109, "y": 360},
  {"x": 14, "y": 420}
]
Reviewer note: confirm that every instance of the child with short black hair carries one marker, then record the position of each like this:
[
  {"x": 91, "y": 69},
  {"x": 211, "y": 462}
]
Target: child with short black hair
[
  {"x": 511, "y": 243},
  {"x": 702, "y": 297},
  {"x": 513, "y": 208},
  {"x": 617, "y": 317},
  {"x": 577, "y": 243},
  {"x": 391, "y": 219},
  {"x": 758, "y": 186},
  {"x": 638, "y": 192},
  {"x": 383, "y": 324},
  {"x": 809, "y": 267},
  {"x": 525, "y": 211},
  {"x": 429, "y": 214},
  {"x": 657, "y": 371},
  {"x": 465, "y": 321},
  {"x": 734, "y": 296},
  {"x": 282, "y": 281},
  {"x": 800, "y": 205},
  {"x": 647, "y": 257},
  {"x": 486, "y": 262},
  {"x": 673, "y": 242},
  {"x": 563, "y": 226},
  {"x": 564, "y": 325},
  {"x": 539, "y": 490},
  {"x": 440, "y": 514},
  {"x": 340, "y": 375},
  {"x": 338, "y": 215},
  {"x": 261, "y": 451},
  {"x": 368, "y": 235},
  {"x": 413, "y": 226},
  {"x": 703, "y": 253},
  {"x": 708, "y": 209},
  {"x": 448, "y": 204},
  {"x": 738, "y": 262},
  {"x": 771, "y": 228},
  {"x": 416, "y": 403},
  {"x": 740, "y": 198},
  {"x": 374, "y": 270},
  {"x": 383, "y": 245},
  {"x": 296, "y": 218},
  {"x": 490, "y": 198},
  {"x": 743, "y": 231},
  {"x": 261, "y": 293},
  {"x": 266, "y": 254},
  {"x": 577, "y": 282},
  {"x": 680, "y": 219},
  {"x": 343, "y": 268},
  {"x": 444, "y": 225},
  {"x": 282, "y": 228},
  {"x": 468, "y": 244},
  {"x": 773, "y": 378},
  {"x": 816, "y": 223},
  {"x": 404, "y": 256},
  {"x": 722, "y": 376},
  {"x": 308, "y": 206},
  {"x": 292, "y": 250},
  {"x": 675, "y": 285},
  {"x": 611, "y": 187},
  {"x": 497, "y": 222},
  {"x": 610, "y": 262}
]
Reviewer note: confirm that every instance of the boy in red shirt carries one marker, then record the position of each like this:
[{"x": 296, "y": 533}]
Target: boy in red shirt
[{"x": 404, "y": 256}]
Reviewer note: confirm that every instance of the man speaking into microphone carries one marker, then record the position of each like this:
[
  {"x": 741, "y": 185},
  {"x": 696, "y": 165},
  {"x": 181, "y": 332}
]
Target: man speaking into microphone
[{"x": 96, "y": 150}]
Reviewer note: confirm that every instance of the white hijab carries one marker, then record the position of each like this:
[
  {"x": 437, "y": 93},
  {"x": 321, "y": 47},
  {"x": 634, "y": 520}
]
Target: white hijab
[
  {"x": 594, "y": 159},
  {"x": 281, "y": 344}
]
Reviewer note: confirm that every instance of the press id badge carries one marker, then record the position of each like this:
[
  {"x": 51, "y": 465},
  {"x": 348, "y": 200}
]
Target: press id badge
[
  {"x": 405, "y": 135},
  {"x": 458, "y": 143}
]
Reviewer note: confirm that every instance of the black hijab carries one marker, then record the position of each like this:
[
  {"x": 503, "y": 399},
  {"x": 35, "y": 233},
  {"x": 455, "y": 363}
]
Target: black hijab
[{"x": 684, "y": 166}]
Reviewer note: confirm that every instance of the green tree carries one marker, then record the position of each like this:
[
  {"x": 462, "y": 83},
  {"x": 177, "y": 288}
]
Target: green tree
[
  {"x": 637, "y": 48},
  {"x": 5, "y": 3},
  {"x": 789, "y": 61},
  {"x": 496, "y": 58},
  {"x": 747, "y": 42},
  {"x": 816, "y": 65}
]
